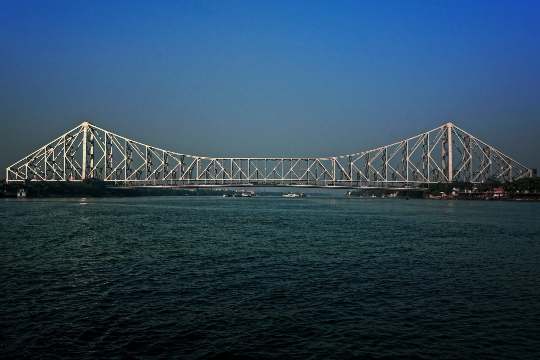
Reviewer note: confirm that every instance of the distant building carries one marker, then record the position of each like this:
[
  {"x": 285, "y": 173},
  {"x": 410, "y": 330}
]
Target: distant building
[{"x": 498, "y": 193}]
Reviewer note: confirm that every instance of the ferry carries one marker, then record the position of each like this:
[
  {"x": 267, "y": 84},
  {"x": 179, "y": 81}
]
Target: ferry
[
  {"x": 240, "y": 194},
  {"x": 294, "y": 195},
  {"x": 247, "y": 194}
]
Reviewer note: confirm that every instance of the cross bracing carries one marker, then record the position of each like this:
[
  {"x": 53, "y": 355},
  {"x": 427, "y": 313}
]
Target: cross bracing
[{"x": 444, "y": 154}]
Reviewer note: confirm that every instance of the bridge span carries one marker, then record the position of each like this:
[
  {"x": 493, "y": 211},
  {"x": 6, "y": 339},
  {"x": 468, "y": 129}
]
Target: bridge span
[{"x": 445, "y": 154}]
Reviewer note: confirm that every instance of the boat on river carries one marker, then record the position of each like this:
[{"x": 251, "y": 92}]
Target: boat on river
[{"x": 294, "y": 195}]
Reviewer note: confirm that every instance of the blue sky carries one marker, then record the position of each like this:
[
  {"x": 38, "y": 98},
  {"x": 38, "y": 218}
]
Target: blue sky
[{"x": 270, "y": 78}]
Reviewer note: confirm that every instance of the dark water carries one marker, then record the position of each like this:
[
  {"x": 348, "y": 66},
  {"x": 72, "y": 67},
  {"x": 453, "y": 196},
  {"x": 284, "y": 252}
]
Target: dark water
[{"x": 194, "y": 277}]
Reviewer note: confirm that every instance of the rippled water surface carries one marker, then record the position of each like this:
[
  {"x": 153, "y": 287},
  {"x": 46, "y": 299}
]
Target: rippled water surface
[{"x": 201, "y": 277}]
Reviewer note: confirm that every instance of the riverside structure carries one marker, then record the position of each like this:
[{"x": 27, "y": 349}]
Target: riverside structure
[{"x": 445, "y": 154}]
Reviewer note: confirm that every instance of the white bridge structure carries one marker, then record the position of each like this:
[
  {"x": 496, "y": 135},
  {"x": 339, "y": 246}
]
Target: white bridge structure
[{"x": 445, "y": 154}]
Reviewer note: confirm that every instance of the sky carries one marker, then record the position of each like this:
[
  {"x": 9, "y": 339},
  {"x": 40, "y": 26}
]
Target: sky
[{"x": 274, "y": 78}]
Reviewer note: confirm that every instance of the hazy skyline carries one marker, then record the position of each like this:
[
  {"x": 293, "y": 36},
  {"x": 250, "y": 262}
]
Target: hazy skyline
[{"x": 270, "y": 79}]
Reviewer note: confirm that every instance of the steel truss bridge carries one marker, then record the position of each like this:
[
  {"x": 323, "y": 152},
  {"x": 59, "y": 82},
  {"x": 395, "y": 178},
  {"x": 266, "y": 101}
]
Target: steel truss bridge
[{"x": 445, "y": 154}]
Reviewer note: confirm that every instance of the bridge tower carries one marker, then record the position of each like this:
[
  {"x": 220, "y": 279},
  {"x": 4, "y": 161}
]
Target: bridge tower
[
  {"x": 84, "y": 149},
  {"x": 449, "y": 153},
  {"x": 88, "y": 140}
]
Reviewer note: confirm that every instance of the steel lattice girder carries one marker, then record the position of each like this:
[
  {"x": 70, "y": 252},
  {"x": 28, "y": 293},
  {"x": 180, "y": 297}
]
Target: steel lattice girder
[{"x": 444, "y": 154}]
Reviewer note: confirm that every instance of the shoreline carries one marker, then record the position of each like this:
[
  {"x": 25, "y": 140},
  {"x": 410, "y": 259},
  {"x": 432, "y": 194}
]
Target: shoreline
[{"x": 522, "y": 191}]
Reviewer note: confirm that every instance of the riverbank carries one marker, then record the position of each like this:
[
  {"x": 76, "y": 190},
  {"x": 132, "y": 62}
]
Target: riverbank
[
  {"x": 521, "y": 190},
  {"x": 95, "y": 188},
  {"x": 526, "y": 189}
]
